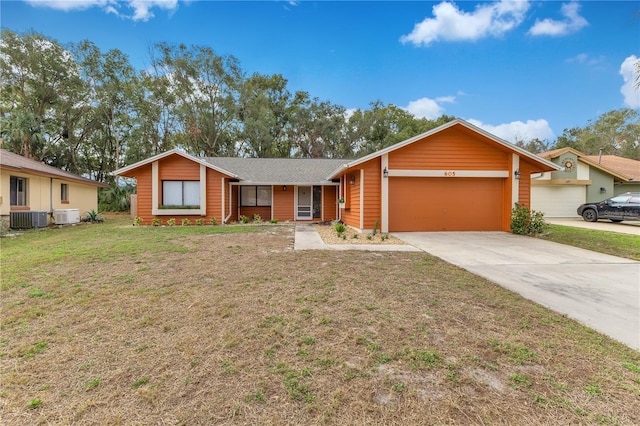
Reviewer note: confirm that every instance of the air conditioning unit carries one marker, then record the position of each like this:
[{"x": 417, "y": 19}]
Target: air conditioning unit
[
  {"x": 28, "y": 219},
  {"x": 66, "y": 216}
]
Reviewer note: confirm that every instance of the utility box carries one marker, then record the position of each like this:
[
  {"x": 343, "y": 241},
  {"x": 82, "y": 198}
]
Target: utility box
[
  {"x": 66, "y": 216},
  {"x": 28, "y": 219}
]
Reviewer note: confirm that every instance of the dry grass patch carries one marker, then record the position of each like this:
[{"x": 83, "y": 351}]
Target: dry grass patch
[{"x": 194, "y": 327}]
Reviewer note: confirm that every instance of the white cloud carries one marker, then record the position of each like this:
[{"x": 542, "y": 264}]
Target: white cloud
[
  {"x": 429, "y": 108},
  {"x": 140, "y": 10},
  {"x": 451, "y": 24},
  {"x": 518, "y": 130},
  {"x": 630, "y": 72},
  {"x": 573, "y": 22},
  {"x": 583, "y": 58}
]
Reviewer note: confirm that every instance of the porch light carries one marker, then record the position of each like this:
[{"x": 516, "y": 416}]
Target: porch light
[
  {"x": 352, "y": 179},
  {"x": 284, "y": 187},
  {"x": 603, "y": 189},
  {"x": 385, "y": 173},
  {"x": 516, "y": 174}
]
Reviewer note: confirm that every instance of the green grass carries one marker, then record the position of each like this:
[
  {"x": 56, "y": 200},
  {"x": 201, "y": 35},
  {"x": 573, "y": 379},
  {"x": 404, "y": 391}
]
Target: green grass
[
  {"x": 613, "y": 243},
  {"x": 111, "y": 323}
]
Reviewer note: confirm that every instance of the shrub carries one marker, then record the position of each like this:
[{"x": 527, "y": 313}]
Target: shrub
[
  {"x": 213, "y": 221},
  {"x": 138, "y": 221},
  {"x": 257, "y": 218},
  {"x": 200, "y": 221},
  {"x": 527, "y": 222},
  {"x": 244, "y": 219},
  {"x": 340, "y": 228},
  {"x": 376, "y": 227},
  {"x": 274, "y": 220},
  {"x": 185, "y": 221},
  {"x": 93, "y": 217},
  {"x": 171, "y": 222},
  {"x": 156, "y": 221}
]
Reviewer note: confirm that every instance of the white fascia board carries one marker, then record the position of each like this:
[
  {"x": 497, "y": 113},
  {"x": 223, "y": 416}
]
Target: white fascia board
[
  {"x": 438, "y": 129},
  {"x": 168, "y": 153}
]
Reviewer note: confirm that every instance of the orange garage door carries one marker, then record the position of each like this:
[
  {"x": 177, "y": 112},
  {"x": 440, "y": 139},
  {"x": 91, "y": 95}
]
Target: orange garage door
[{"x": 445, "y": 204}]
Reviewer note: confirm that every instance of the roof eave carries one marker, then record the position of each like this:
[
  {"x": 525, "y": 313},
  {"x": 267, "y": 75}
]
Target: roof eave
[{"x": 165, "y": 154}]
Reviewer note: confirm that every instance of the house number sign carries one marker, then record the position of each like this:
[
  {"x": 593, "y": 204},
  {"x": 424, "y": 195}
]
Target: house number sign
[{"x": 450, "y": 173}]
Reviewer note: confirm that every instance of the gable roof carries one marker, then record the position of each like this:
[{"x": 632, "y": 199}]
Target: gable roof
[
  {"x": 587, "y": 159},
  {"x": 456, "y": 122},
  {"x": 13, "y": 161},
  {"x": 625, "y": 166},
  {"x": 267, "y": 171},
  {"x": 126, "y": 169},
  {"x": 278, "y": 171}
]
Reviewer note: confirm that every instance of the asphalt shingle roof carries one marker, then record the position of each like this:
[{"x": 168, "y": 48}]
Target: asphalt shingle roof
[
  {"x": 278, "y": 170},
  {"x": 15, "y": 161},
  {"x": 624, "y": 166}
]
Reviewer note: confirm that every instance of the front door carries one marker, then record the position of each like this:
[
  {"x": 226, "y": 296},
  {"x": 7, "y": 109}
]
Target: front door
[{"x": 304, "y": 209}]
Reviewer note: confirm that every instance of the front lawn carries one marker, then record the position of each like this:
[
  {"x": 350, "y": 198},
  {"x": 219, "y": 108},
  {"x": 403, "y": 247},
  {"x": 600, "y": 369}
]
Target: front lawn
[
  {"x": 115, "y": 324},
  {"x": 613, "y": 243}
]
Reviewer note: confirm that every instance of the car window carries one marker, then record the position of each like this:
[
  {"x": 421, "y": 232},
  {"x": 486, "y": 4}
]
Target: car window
[
  {"x": 619, "y": 199},
  {"x": 635, "y": 199}
]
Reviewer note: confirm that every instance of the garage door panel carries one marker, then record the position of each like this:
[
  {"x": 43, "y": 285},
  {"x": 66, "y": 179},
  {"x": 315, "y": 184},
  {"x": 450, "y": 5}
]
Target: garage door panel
[
  {"x": 557, "y": 201},
  {"x": 445, "y": 204}
]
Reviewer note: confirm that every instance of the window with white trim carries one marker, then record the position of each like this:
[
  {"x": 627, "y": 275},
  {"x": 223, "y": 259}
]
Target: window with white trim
[
  {"x": 255, "y": 196},
  {"x": 181, "y": 193},
  {"x": 18, "y": 191},
  {"x": 64, "y": 192}
]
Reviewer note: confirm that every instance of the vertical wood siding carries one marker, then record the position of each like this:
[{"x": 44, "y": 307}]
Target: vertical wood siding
[
  {"x": 351, "y": 214},
  {"x": 452, "y": 149},
  {"x": 329, "y": 202},
  {"x": 372, "y": 194},
  {"x": 143, "y": 189},
  {"x": 283, "y": 203},
  {"x": 264, "y": 212}
]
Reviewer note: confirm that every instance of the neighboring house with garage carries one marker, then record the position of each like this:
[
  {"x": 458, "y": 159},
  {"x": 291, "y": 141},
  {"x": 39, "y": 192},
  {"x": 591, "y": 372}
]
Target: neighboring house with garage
[
  {"x": 32, "y": 192},
  {"x": 456, "y": 177},
  {"x": 624, "y": 166},
  {"x": 581, "y": 179}
]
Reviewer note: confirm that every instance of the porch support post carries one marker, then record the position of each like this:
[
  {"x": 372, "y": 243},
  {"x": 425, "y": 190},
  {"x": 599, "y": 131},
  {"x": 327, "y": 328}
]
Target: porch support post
[
  {"x": 154, "y": 188},
  {"x": 515, "y": 183},
  {"x": 384, "y": 164},
  {"x": 362, "y": 199},
  {"x": 203, "y": 190},
  {"x": 223, "y": 200}
]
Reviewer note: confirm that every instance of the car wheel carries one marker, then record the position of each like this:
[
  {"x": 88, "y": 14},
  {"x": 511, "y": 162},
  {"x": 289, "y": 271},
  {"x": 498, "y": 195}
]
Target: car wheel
[
  {"x": 590, "y": 215},
  {"x": 616, "y": 220}
]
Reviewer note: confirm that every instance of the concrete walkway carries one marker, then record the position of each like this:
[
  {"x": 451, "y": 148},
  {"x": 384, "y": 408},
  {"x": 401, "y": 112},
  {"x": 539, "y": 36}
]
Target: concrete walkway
[
  {"x": 600, "y": 291},
  {"x": 307, "y": 238}
]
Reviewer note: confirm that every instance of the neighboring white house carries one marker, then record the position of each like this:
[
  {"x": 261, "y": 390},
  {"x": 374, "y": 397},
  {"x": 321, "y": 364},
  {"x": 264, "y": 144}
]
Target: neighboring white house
[{"x": 581, "y": 180}]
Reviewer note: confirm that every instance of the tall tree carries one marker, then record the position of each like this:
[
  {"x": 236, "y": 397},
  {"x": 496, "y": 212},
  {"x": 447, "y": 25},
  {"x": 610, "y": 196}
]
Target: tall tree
[
  {"x": 38, "y": 75},
  {"x": 264, "y": 113},
  {"x": 206, "y": 87}
]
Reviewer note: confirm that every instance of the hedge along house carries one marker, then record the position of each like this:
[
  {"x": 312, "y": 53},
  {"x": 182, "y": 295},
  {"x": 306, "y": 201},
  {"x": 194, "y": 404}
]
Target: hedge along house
[
  {"x": 456, "y": 177},
  {"x": 177, "y": 185},
  {"x": 30, "y": 186}
]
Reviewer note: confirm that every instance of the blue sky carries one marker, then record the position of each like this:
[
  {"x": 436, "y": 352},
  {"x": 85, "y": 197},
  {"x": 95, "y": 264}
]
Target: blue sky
[{"x": 520, "y": 69}]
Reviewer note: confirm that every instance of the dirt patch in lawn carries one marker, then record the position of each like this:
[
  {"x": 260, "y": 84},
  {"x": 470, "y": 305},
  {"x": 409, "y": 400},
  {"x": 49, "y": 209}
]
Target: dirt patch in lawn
[
  {"x": 350, "y": 236},
  {"x": 166, "y": 326}
]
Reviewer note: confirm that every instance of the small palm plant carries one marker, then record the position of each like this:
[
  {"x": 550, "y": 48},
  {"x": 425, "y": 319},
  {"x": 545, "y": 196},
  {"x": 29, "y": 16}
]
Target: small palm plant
[{"x": 93, "y": 217}]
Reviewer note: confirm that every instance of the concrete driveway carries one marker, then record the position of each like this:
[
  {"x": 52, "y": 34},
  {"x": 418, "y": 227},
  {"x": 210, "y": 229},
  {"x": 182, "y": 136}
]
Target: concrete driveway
[{"x": 600, "y": 291}]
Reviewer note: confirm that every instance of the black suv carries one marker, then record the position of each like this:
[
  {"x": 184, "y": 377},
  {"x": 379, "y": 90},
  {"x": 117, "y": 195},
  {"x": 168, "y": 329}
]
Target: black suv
[{"x": 621, "y": 207}]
